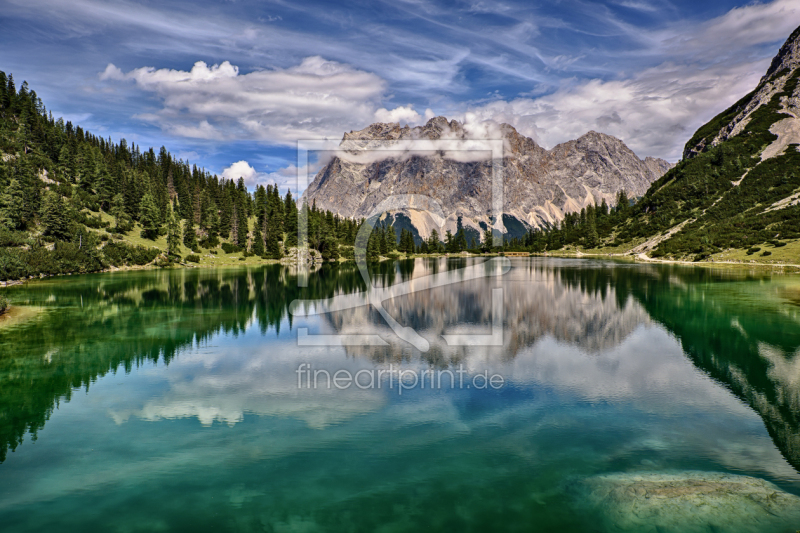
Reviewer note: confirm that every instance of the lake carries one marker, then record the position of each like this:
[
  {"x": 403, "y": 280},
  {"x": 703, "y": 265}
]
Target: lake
[{"x": 530, "y": 394}]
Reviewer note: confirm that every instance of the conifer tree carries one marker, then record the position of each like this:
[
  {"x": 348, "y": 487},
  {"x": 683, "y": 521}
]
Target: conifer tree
[
  {"x": 242, "y": 225},
  {"x": 173, "y": 233},
  {"x": 149, "y": 217},
  {"x": 373, "y": 247},
  {"x": 488, "y": 240},
  {"x": 622, "y": 202},
  {"x": 433, "y": 242},
  {"x": 592, "y": 240},
  {"x": 54, "y": 216},
  {"x": 11, "y": 203},
  {"x": 290, "y": 213},
  {"x": 122, "y": 220},
  {"x": 258, "y": 238},
  {"x": 189, "y": 235},
  {"x": 449, "y": 242}
]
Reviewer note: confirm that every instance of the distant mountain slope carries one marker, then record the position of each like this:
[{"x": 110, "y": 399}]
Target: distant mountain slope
[
  {"x": 738, "y": 185},
  {"x": 540, "y": 186}
]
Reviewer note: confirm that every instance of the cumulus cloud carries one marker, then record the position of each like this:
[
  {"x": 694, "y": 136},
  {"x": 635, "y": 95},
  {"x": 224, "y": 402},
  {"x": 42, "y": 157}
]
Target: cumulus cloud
[
  {"x": 402, "y": 114},
  {"x": 286, "y": 178},
  {"x": 243, "y": 169},
  {"x": 317, "y": 98}
]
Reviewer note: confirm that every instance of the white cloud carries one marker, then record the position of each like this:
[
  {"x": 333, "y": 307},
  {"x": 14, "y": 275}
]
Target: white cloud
[
  {"x": 654, "y": 113},
  {"x": 288, "y": 178},
  {"x": 285, "y": 178},
  {"x": 243, "y": 169},
  {"x": 403, "y": 115},
  {"x": 317, "y": 98},
  {"x": 707, "y": 68}
]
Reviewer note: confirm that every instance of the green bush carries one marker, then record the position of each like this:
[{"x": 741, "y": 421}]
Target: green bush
[
  {"x": 753, "y": 250},
  {"x": 242, "y": 259},
  {"x": 766, "y": 253},
  {"x": 3, "y": 304},
  {"x": 230, "y": 248},
  {"x": 193, "y": 258},
  {"x": 12, "y": 238},
  {"x": 120, "y": 253}
]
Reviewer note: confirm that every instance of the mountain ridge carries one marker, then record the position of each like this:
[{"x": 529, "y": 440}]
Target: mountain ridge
[{"x": 540, "y": 185}]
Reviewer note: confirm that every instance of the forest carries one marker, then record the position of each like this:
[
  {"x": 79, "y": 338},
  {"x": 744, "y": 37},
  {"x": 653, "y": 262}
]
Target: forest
[{"x": 70, "y": 199}]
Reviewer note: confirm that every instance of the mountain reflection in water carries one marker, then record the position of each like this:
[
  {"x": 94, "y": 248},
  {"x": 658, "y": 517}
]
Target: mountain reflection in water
[{"x": 740, "y": 328}]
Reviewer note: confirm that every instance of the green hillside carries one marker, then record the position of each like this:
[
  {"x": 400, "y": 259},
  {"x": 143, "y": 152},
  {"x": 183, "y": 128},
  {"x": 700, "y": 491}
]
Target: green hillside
[{"x": 73, "y": 202}]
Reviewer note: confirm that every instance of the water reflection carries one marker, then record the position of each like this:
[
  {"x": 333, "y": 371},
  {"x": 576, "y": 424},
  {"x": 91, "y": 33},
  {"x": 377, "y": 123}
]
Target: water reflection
[{"x": 606, "y": 332}]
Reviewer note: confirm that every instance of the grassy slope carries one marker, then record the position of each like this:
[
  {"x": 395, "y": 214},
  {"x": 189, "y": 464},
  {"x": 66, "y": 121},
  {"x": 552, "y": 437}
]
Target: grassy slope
[{"x": 208, "y": 259}]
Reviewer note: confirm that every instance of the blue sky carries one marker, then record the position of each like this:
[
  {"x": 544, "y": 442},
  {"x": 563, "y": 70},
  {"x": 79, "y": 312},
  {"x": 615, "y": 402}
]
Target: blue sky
[{"x": 232, "y": 85}]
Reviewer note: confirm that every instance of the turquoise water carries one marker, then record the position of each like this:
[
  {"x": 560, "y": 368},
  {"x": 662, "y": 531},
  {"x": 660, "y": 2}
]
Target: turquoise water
[{"x": 169, "y": 401}]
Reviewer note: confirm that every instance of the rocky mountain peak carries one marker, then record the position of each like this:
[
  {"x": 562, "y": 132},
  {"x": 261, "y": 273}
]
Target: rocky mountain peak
[
  {"x": 735, "y": 119},
  {"x": 788, "y": 56},
  {"x": 540, "y": 186}
]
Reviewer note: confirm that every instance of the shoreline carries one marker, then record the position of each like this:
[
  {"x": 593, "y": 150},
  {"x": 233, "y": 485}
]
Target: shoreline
[{"x": 638, "y": 258}]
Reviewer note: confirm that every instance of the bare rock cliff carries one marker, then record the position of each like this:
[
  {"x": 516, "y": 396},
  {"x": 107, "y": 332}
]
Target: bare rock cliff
[{"x": 539, "y": 185}]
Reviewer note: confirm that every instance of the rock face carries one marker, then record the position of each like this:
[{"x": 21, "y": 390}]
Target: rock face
[
  {"x": 735, "y": 119},
  {"x": 539, "y": 186}
]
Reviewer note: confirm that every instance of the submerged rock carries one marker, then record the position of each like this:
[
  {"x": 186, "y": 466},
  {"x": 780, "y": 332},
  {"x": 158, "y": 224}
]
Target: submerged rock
[{"x": 689, "y": 502}]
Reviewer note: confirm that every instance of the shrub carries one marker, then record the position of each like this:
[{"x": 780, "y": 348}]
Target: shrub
[
  {"x": 3, "y": 304},
  {"x": 766, "y": 253},
  {"x": 209, "y": 242},
  {"x": 193, "y": 258},
  {"x": 242, "y": 259},
  {"x": 215, "y": 252},
  {"x": 230, "y": 248},
  {"x": 753, "y": 250},
  {"x": 779, "y": 244},
  {"x": 119, "y": 253},
  {"x": 12, "y": 238}
]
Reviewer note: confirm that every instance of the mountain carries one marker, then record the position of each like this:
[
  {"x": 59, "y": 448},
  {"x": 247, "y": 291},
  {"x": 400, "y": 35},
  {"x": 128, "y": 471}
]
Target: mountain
[
  {"x": 540, "y": 186},
  {"x": 738, "y": 185}
]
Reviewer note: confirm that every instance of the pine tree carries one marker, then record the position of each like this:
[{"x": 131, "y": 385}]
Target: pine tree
[
  {"x": 449, "y": 242},
  {"x": 622, "y": 202},
  {"x": 122, "y": 220},
  {"x": 391, "y": 239},
  {"x": 461, "y": 238},
  {"x": 592, "y": 240},
  {"x": 488, "y": 240},
  {"x": 373, "y": 247},
  {"x": 258, "y": 238},
  {"x": 290, "y": 213},
  {"x": 12, "y": 202},
  {"x": 54, "y": 216},
  {"x": 149, "y": 217},
  {"x": 189, "y": 235},
  {"x": 382, "y": 239},
  {"x": 433, "y": 242},
  {"x": 173, "y": 233},
  {"x": 242, "y": 225}
]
